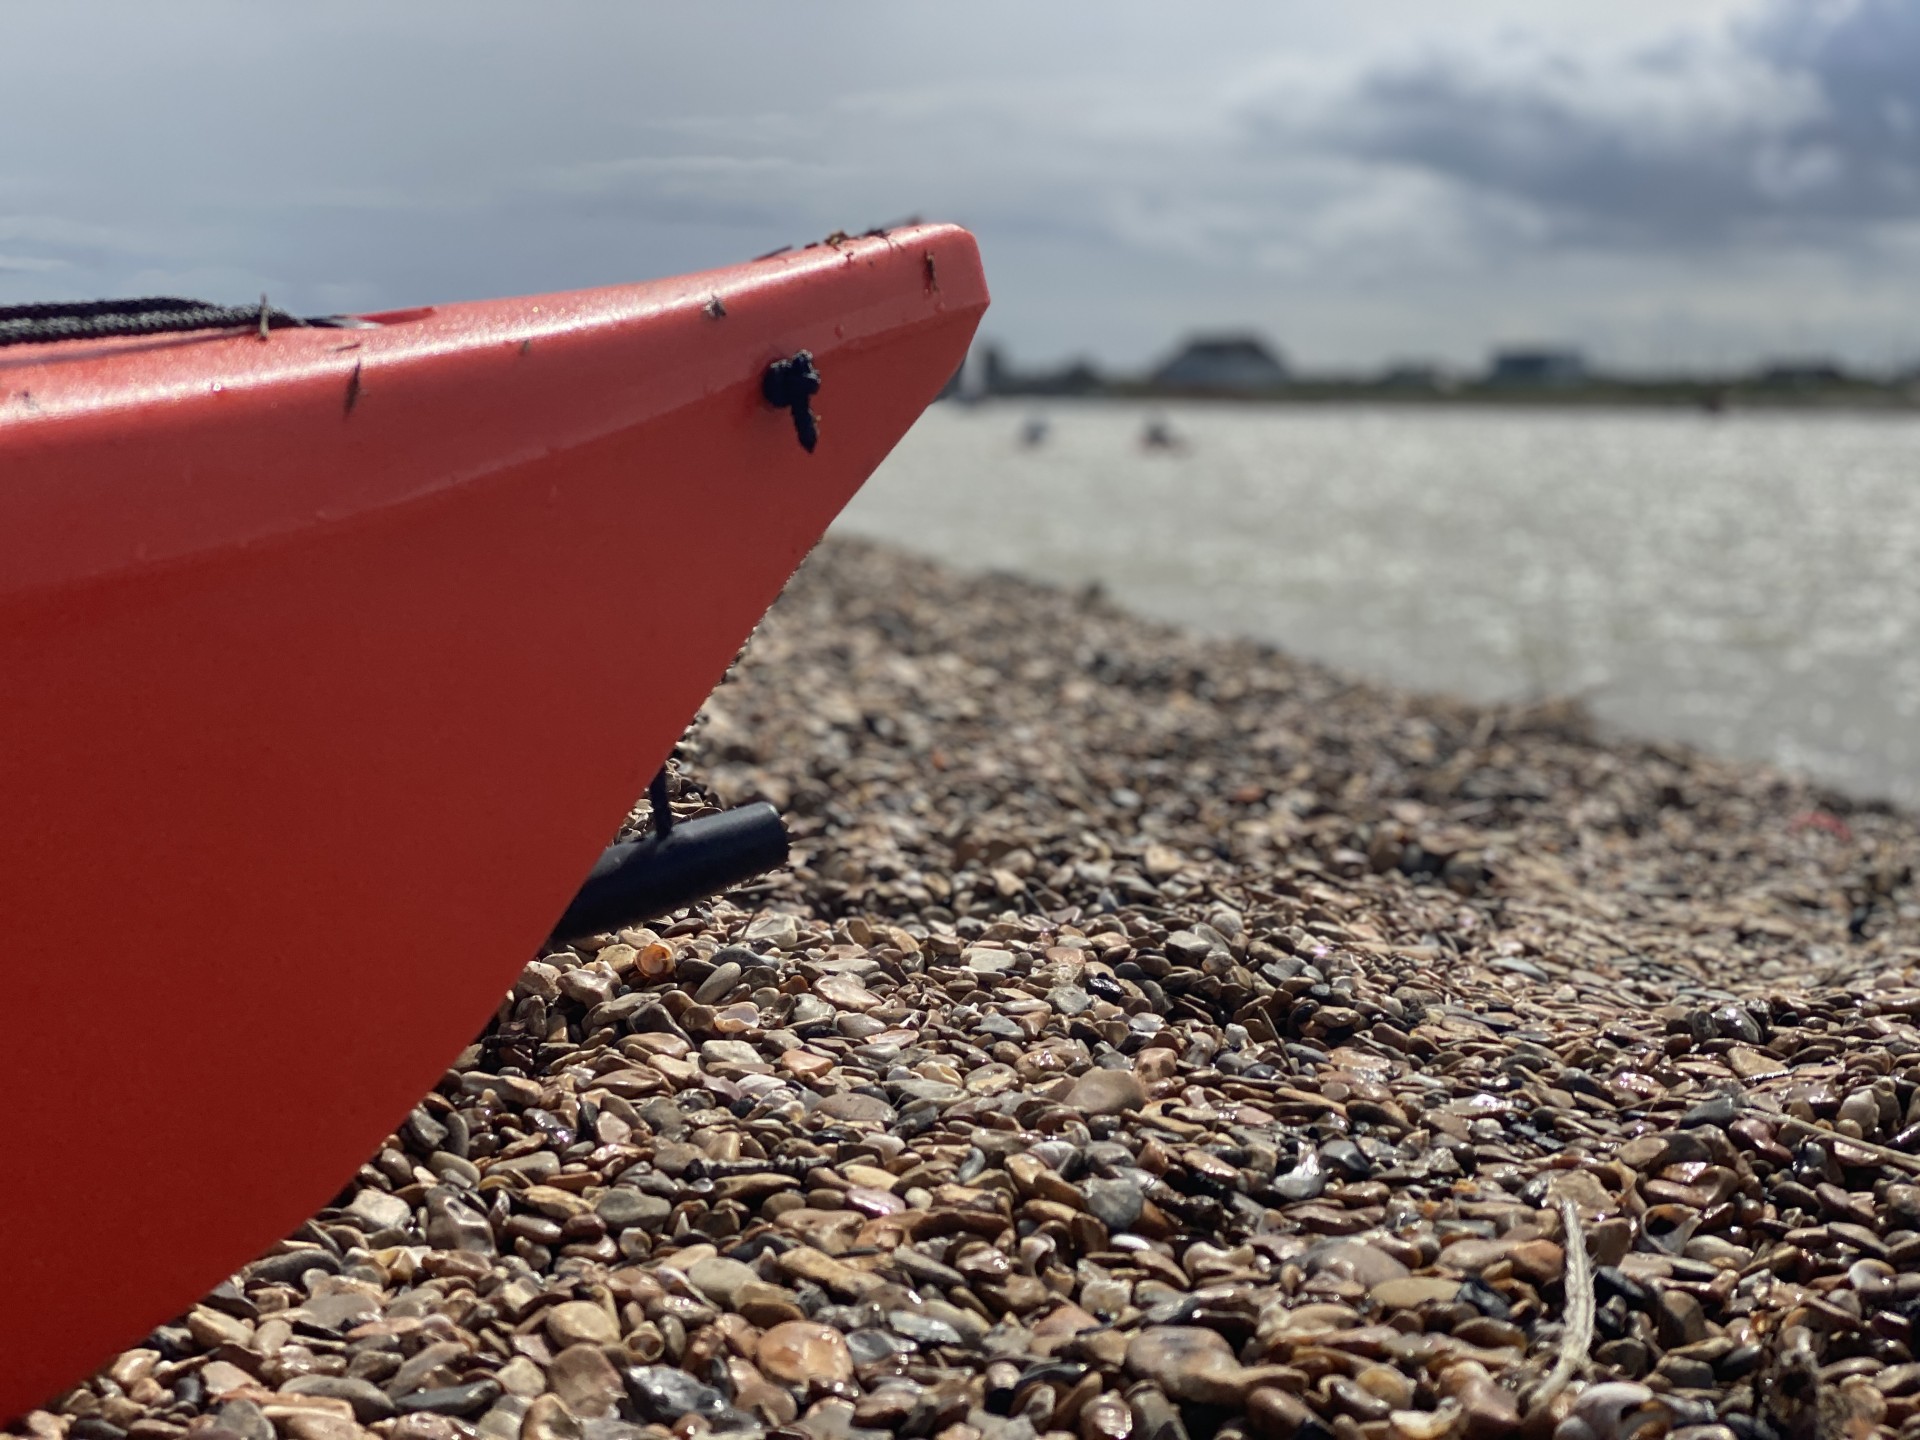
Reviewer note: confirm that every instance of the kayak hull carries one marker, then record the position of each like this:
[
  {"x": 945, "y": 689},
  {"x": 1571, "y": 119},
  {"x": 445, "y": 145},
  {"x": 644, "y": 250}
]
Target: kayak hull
[{"x": 332, "y": 662}]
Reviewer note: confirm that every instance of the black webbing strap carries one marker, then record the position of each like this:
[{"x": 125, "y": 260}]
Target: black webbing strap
[{"x": 108, "y": 319}]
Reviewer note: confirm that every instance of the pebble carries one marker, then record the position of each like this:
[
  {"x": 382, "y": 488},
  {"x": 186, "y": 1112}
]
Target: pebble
[
  {"x": 660, "y": 1392},
  {"x": 1410, "y": 1292},
  {"x": 368, "y": 1400},
  {"x": 1106, "y": 1092},
  {"x": 721, "y": 1280},
  {"x": 799, "y": 1350},
  {"x": 462, "y": 1400},
  {"x": 585, "y": 1379},
  {"x": 577, "y": 1322}
]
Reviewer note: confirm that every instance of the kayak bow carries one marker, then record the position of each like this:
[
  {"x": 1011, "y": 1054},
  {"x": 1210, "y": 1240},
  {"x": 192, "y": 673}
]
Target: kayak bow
[{"x": 332, "y": 657}]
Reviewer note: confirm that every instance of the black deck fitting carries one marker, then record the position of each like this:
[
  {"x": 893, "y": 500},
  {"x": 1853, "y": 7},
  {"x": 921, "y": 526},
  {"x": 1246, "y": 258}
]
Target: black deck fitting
[{"x": 791, "y": 385}]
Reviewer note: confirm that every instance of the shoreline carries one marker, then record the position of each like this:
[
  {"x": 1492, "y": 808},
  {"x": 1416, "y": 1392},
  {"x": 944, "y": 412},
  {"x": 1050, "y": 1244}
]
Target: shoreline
[
  {"x": 1694, "y": 582},
  {"x": 1705, "y": 399},
  {"x": 1155, "y": 1038}
]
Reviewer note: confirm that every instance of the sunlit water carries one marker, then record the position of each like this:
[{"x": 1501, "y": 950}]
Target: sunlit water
[{"x": 1749, "y": 583}]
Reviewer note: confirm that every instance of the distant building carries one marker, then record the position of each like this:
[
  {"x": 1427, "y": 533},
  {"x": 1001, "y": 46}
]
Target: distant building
[
  {"x": 975, "y": 378},
  {"x": 1077, "y": 378},
  {"x": 1223, "y": 362},
  {"x": 1537, "y": 367},
  {"x": 995, "y": 373},
  {"x": 988, "y": 372},
  {"x": 1802, "y": 372},
  {"x": 1415, "y": 375}
]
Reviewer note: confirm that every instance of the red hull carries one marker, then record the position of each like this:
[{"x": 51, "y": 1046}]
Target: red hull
[{"x": 330, "y": 663}]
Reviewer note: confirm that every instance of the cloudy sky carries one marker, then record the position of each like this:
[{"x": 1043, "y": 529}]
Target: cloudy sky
[{"x": 1667, "y": 185}]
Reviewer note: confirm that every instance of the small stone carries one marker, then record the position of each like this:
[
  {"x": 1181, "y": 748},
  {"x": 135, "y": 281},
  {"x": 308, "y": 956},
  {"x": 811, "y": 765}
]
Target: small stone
[
  {"x": 983, "y": 961},
  {"x": 1408, "y": 1292},
  {"x": 847, "y": 1105},
  {"x": 580, "y": 1322},
  {"x": 221, "y": 1377},
  {"x": 1106, "y": 1092},
  {"x": 1588, "y": 1195},
  {"x": 293, "y": 1266},
  {"x": 1388, "y": 1384},
  {"x": 464, "y": 1401},
  {"x": 1117, "y": 1204},
  {"x": 417, "y": 1367},
  {"x": 369, "y": 1401},
  {"x": 1540, "y": 1261},
  {"x": 381, "y": 1210},
  {"x": 799, "y": 1349},
  {"x": 453, "y": 1225},
  {"x": 720, "y": 1279},
  {"x": 1685, "y": 1372},
  {"x": 871, "y": 1177},
  {"x": 927, "y": 1329},
  {"x": 1186, "y": 947},
  {"x": 1190, "y": 1362},
  {"x": 781, "y": 931},
  {"x": 1163, "y": 862},
  {"x": 1715, "y": 1114},
  {"x": 664, "y": 1394},
  {"x": 548, "y": 1418},
  {"x": 520, "y": 1376},
  {"x": 1276, "y": 1414},
  {"x": 1599, "y": 1412},
  {"x": 1680, "y": 1318},
  {"x": 766, "y": 1305},
  {"x": 585, "y": 1379},
  {"x": 719, "y": 985},
  {"x": 1487, "y": 1410},
  {"x": 1106, "y": 1417},
  {"x": 427, "y": 1426},
  {"x": 341, "y": 1309},
  {"x": 620, "y": 1208},
  {"x": 213, "y": 1329},
  {"x": 1424, "y": 1424},
  {"x": 806, "y": 1064},
  {"x": 317, "y": 1425},
  {"x": 1626, "y": 1357},
  {"x": 771, "y": 1403},
  {"x": 803, "y": 1262},
  {"x": 1354, "y": 1260},
  {"x": 553, "y": 1202}
]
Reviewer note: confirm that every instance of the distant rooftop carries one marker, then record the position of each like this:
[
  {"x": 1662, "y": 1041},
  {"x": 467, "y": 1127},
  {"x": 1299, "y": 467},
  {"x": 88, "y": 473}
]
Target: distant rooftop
[
  {"x": 1223, "y": 362},
  {"x": 1422, "y": 374},
  {"x": 1537, "y": 365},
  {"x": 1802, "y": 370}
]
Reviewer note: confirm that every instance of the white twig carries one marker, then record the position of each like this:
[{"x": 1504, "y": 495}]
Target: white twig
[{"x": 1577, "y": 1338}]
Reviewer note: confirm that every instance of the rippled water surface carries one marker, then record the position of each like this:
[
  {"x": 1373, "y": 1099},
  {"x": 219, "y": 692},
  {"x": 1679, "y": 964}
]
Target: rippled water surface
[{"x": 1750, "y": 583}]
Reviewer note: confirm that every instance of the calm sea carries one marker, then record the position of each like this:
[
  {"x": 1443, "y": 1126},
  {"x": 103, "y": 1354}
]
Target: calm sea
[{"x": 1746, "y": 582}]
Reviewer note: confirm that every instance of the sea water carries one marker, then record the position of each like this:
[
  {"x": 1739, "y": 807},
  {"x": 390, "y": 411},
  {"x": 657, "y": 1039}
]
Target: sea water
[{"x": 1747, "y": 582}]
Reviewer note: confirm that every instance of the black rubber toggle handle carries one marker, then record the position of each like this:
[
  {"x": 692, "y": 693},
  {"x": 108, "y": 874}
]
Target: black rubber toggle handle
[
  {"x": 657, "y": 873},
  {"x": 791, "y": 385}
]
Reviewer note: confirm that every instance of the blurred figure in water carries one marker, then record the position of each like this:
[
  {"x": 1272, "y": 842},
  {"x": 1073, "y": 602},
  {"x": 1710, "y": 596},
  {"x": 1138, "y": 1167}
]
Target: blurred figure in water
[{"x": 1159, "y": 435}]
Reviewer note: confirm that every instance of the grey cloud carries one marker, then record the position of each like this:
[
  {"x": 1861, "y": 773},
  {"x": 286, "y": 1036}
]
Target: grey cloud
[{"x": 1797, "y": 124}]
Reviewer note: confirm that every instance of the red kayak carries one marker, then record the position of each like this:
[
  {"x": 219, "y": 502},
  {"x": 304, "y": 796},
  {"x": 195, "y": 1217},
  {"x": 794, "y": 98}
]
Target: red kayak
[{"x": 332, "y": 657}]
